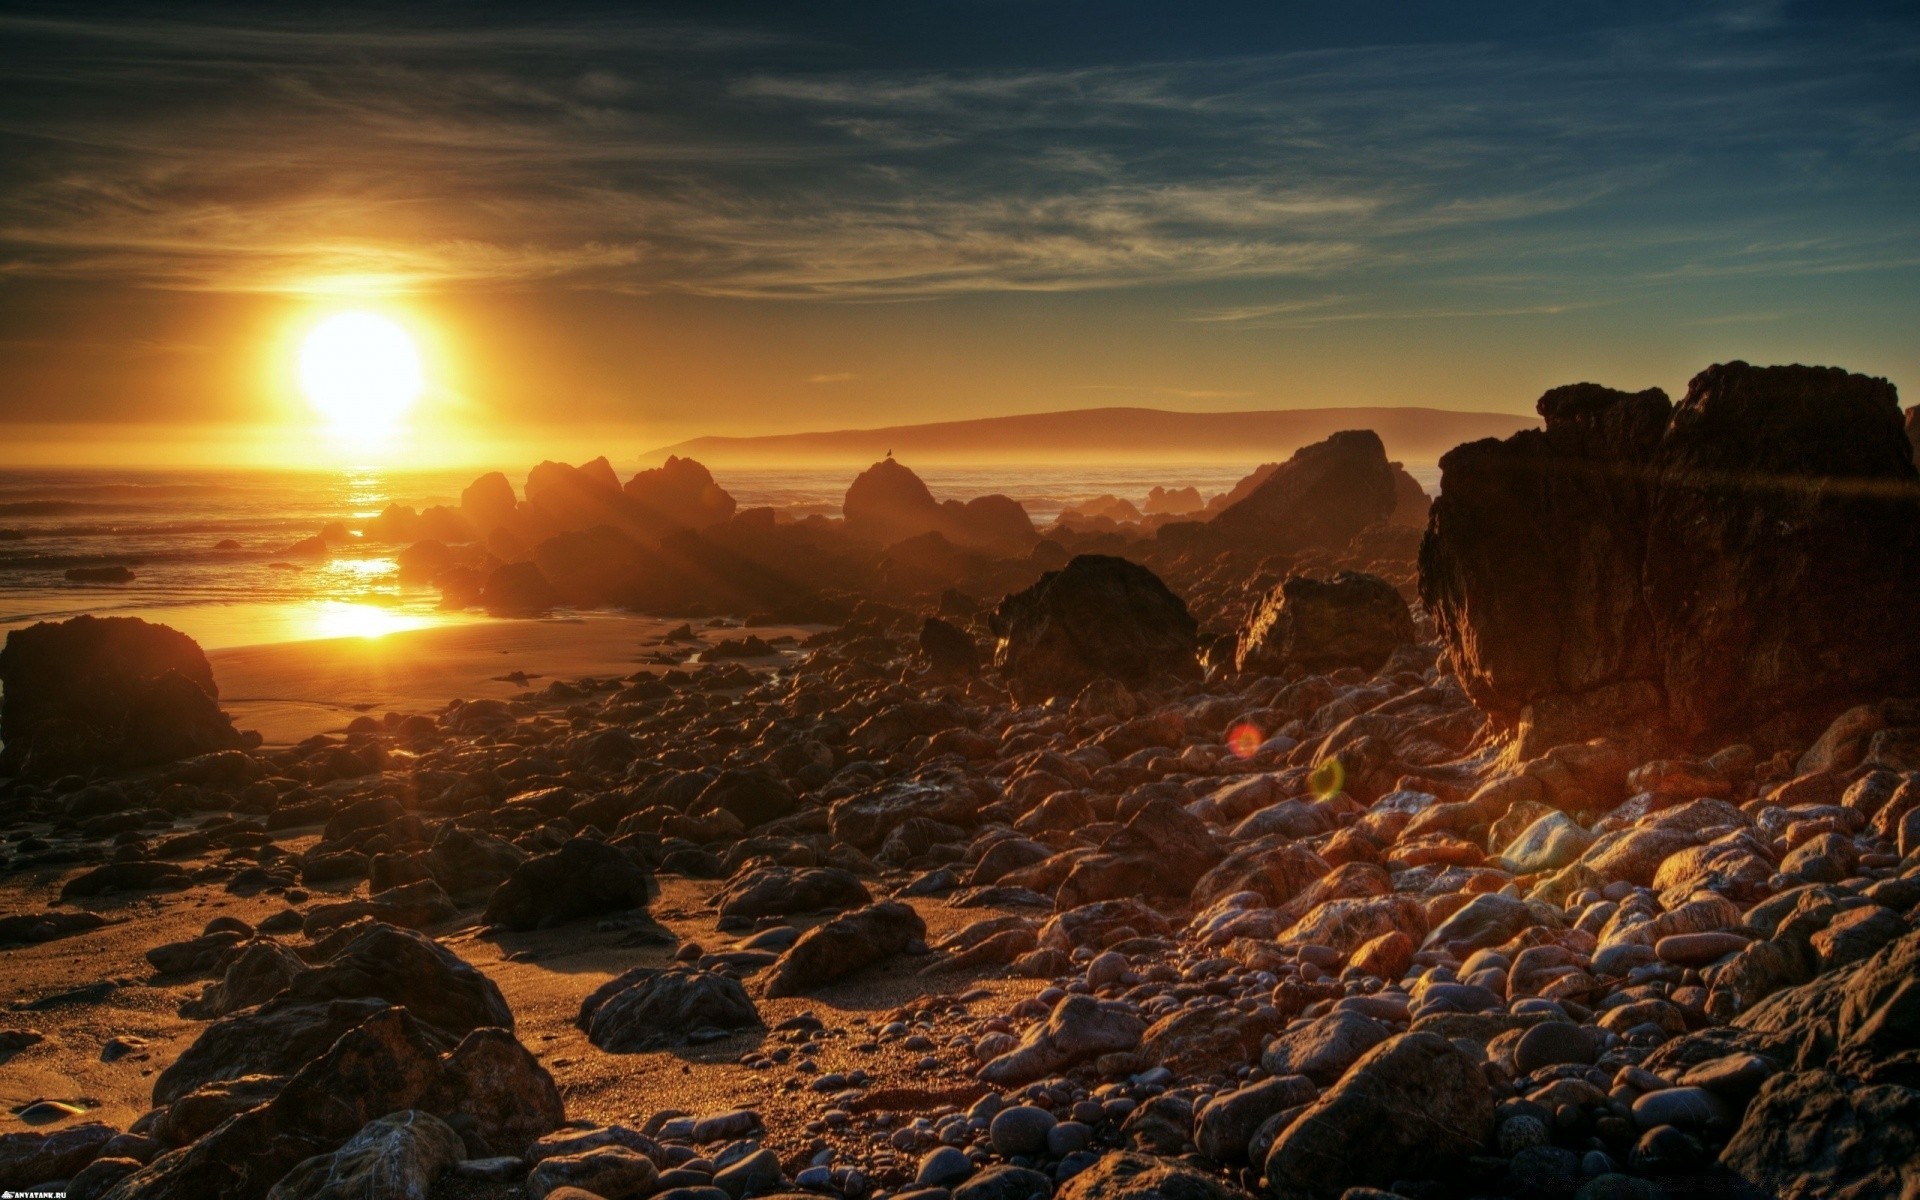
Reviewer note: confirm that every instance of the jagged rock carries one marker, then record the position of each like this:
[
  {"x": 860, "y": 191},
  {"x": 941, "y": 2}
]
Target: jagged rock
[
  {"x": 1122, "y": 1175},
  {"x": 610, "y": 1172},
  {"x": 1079, "y": 1028},
  {"x": 1563, "y": 565},
  {"x": 415, "y": 905},
  {"x": 258, "y": 973},
  {"x": 114, "y": 692},
  {"x": 1817, "y": 1135},
  {"x": 679, "y": 493},
  {"x": 1099, "y": 617},
  {"x": 949, "y": 650},
  {"x": 496, "y": 1084},
  {"x": 1324, "y": 1050},
  {"x": 1226, "y": 1126},
  {"x": 488, "y": 502},
  {"x": 379, "y": 1066},
  {"x": 32, "y": 1157},
  {"x": 395, "y": 1157},
  {"x": 845, "y": 945},
  {"x": 583, "y": 878},
  {"x": 650, "y": 1009},
  {"x": 1320, "y": 497},
  {"x": 1318, "y": 625},
  {"x": 468, "y": 865},
  {"x": 779, "y": 891},
  {"x": 1409, "y": 1109},
  {"x": 28, "y": 929},
  {"x": 518, "y": 589},
  {"x": 754, "y": 796},
  {"x": 865, "y": 820}
]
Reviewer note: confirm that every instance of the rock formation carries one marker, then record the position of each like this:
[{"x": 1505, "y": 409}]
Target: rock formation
[
  {"x": 1320, "y": 497},
  {"x": 1098, "y": 617},
  {"x": 107, "y": 692},
  {"x": 1728, "y": 568},
  {"x": 1351, "y": 620}
]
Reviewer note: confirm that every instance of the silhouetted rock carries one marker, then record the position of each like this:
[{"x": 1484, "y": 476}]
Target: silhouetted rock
[
  {"x": 950, "y": 651},
  {"x": 887, "y": 503},
  {"x": 1410, "y": 501},
  {"x": 113, "y": 692},
  {"x": 518, "y": 590},
  {"x": 1176, "y": 502},
  {"x": 583, "y": 878},
  {"x": 1320, "y": 497},
  {"x": 1731, "y": 568},
  {"x": 1318, "y": 625},
  {"x": 649, "y": 1009},
  {"x": 680, "y": 493},
  {"x": 488, "y": 502},
  {"x": 1098, "y": 617},
  {"x": 845, "y": 945}
]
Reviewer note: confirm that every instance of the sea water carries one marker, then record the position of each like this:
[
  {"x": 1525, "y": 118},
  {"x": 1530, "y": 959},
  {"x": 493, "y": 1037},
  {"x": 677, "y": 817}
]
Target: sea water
[{"x": 208, "y": 548}]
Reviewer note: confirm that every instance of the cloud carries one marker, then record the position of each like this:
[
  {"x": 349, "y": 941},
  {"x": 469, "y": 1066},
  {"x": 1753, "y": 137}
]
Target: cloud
[
  {"x": 641, "y": 156},
  {"x": 833, "y": 377}
]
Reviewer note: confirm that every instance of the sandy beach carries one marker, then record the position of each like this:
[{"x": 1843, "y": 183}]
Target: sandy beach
[{"x": 292, "y": 690}]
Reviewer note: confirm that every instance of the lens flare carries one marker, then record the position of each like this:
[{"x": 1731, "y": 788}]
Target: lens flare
[
  {"x": 1328, "y": 778},
  {"x": 1245, "y": 739}
]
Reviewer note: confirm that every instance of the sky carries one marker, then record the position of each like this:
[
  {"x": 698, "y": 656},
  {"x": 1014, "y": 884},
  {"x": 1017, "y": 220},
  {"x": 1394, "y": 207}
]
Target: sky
[{"x": 612, "y": 227}]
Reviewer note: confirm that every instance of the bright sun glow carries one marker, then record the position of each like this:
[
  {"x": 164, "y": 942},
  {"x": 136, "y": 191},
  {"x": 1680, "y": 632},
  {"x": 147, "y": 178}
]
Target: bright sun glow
[
  {"x": 362, "y": 372},
  {"x": 344, "y": 619}
]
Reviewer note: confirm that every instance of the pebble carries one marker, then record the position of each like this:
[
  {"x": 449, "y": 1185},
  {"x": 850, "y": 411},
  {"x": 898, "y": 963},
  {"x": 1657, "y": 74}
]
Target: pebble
[{"x": 1022, "y": 1130}]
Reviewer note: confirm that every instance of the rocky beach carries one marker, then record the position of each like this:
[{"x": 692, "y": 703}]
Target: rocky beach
[{"x": 1555, "y": 837}]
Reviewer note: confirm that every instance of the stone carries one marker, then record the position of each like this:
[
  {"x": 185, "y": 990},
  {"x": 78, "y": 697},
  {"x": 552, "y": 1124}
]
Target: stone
[
  {"x": 1227, "y": 1124},
  {"x": 1079, "y": 1028},
  {"x": 1816, "y": 1134},
  {"x": 583, "y": 878},
  {"x": 610, "y": 1172},
  {"x": 753, "y": 1175},
  {"x": 1021, "y": 1130},
  {"x": 678, "y": 494},
  {"x": 1551, "y": 1043},
  {"x": 1319, "y": 498},
  {"x": 1412, "y": 1107},
  {"x": 1550, "y": 843},
  {"x": 31, "y": 1157},
  {"x": 381, "y": 1066},
  {"x": 1561, "y": 565},
  {"x": 1687, "y": 1107},
  {"x": 780, "y": 891},
  {"x": 1123, "y": 1175},
  {"x": 260, "y": 971},
  {"x": 754, "y": 796},
  {"x": 117, "y": 692},
  {"x": 1005, "y": 1181},
  {"x": 649, "y": 1009},
  {"x": 1097, "y": 617},
  {"x": 1205, "y": 1041},
  {"x": 395, "y": 1157},
  {"x": 943, "y": 1167},
  {"x": 949, "y": 650},
  {"x": 844, "y": 945},
  {"x": 1326, "y": 1049},
  {"x": 1319, "y": 625},
  {"x": 498, "y": 1089}
]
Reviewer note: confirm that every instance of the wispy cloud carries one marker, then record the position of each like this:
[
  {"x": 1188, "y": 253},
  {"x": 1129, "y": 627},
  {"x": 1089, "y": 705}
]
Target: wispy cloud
[
  {"x": 833, "y": 377},
  {"x": 634, "y": 155}
]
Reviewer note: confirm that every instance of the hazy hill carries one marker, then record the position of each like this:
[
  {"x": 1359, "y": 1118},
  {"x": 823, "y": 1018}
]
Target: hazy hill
[{"x": 1112, "y": 435}]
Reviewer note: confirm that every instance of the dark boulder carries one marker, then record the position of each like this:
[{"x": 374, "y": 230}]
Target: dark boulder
[
  {"x": 114, "y": 692},
  {"x": 887, "y": 503},
  {"x": 583, "y": 878},
  {"x": 1099, "y": 617},
  {"x": 949, "y": 650},
  {"x": 488, "y": 502},
  {"x": 1818, "y": 1134},
  {"x": 648, "y": 1009},
  {"x": 1320, "y": 625},
  {"x": 1123, "y": 1175},
  {"x": 679, "y": 493},
  {"x": 844, "y": 945},
  {"x": 755, "y": 796},
  {"x": 1735, "y": 567},
  {"x": 518, "y": 589},
  {"x": 780, "y": 891}
]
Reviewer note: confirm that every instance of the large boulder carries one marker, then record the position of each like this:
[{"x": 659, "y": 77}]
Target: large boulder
[
  {"x": 1815, "y": 1135},
  {"x": 1736, "y": 567},
  {"x": 650, "y": 1009},
  {"x": 1413, "y": 1107},
  {"x": 844, "y": 945},
  {"x": 1099, "y": 617},
  {"x": 679, "y": 493},
  {"x": 113, "y": 692},
  {"x": 887, "y": 503},
  {"x": 396, "y": 1157},
  {"x": 1122, "y": 1175},
  {"x": 583, "y": 878},
  {"x": 1319, "y": 625},
  {"x": 1319, "y": 498}
]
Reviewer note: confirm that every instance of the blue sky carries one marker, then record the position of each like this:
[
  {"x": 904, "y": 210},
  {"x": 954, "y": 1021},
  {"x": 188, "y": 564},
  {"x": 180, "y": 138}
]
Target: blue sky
[{"x": 792, "y": 216}]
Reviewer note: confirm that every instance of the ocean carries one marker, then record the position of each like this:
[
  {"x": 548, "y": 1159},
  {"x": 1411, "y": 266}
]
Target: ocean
[{"x": 207, "y": 547}]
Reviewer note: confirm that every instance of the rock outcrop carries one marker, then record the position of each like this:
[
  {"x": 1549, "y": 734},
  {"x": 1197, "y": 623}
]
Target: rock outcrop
[
  {"x": 1099, "y": 617},
  {"x": 1317, "y": 625},
  {"x": 107, "y": 692},
  {"x": 1319, "y": 498},
  {"x": 1730, "y": 568}
]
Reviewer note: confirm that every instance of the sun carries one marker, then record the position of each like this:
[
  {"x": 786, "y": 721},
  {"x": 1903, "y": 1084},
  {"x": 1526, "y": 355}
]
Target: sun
[{"x": 361, "y": 371}]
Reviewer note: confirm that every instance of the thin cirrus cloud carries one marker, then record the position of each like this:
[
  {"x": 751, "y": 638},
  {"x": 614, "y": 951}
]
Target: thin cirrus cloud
[{"x": 645, "y": 157}]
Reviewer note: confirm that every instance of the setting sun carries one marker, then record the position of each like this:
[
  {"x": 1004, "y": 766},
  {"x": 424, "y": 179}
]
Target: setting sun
[{"x": 362, "y": 372}]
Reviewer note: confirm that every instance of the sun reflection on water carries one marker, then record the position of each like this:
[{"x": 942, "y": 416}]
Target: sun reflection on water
[{"x": 346, "y": 619}]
